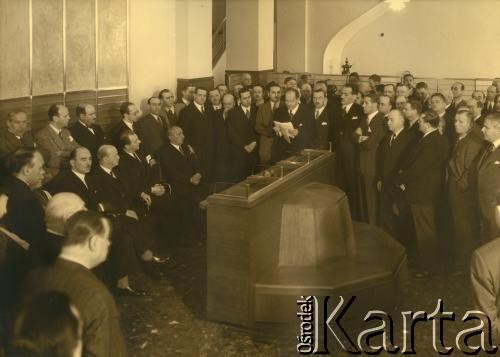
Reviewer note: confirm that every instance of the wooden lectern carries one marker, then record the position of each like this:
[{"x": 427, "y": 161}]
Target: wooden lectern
[{"x": 287, "y": 232}]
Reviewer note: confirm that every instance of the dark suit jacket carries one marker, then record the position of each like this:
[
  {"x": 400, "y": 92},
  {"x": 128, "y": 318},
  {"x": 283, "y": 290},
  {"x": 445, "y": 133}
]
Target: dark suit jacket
[
  {"x": 415, "y": 131},
  {"x": 323, "y": 129},
  {"x": 25, "y": 215},
  {"x": 390, "y": 157},
  {"x": 69, "y": 182},
  {"x": 241, "y": 132},
  {"x": 199, "y": 132},
  {"x": 85, "y": 138},
  {"x": 222, "y": 151},
  {"x": 172, "y": 119},
  {"x": 485, "y": 281},
  {"x": 55, "y": 148},
  {"x": 463, "y": 161},
  {"x": 152, "y": 133},
  {"x": 350, "y": 121},
  {"x": 303, "y": 120},
  {"x": 102, "y": 334},
  {"x": 136, "y": 176},
  {"x": 10, "y": 143},
  {"x": 109, "y": 191},
  {"x": 115, "y": 132},
  {"x": 486, "y": 110},
  {"x": 178, "y": 169},
  {"x": 488, "y": 182},
  {"x": 422, "y": 172},
  {"x": 368, "y": 148}
]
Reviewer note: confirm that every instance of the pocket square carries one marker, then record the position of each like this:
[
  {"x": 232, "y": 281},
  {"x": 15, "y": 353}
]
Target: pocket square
[
  {"x": 496, "y": 163},
  {"x": 301, "y": 124},
  {"x": 354, "y": 118},
  {"x": 324, "y": 123}
]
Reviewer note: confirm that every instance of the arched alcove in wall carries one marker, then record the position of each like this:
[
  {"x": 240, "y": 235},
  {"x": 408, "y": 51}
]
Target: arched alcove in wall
[
  {"x": 441, "y": 39},
  {"x": 332, "y": 58}
]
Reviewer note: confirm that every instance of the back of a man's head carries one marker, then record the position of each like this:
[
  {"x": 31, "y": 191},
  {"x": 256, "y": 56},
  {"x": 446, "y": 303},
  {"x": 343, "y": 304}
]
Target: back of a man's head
[
  {"x": 82, "y": 226},
  {"x": 60, "y": 208}
]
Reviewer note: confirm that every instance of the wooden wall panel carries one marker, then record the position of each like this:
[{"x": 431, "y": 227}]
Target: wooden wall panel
[
  {"x": 112, "y": 43},
  {"x": 14, "y": 49},
  {"x": 79, "y": 97},
  {"x": 204, "y": 82},
  {"x": 9, "y": 105},
  {"x": 108, "y": 107},
  {"x": 47, "y": 46},
  {"x": 40, "y": 108},
  {"x": 80, "y": 44}
]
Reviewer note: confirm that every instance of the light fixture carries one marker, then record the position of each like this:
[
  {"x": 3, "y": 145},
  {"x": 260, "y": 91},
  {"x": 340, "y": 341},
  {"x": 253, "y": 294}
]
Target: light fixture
[{"x": 397, "y": 5}]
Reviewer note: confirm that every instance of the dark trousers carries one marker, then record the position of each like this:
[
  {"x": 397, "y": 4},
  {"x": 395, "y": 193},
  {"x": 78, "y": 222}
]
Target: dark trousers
[
  {"x": 368, "y": 198},
  {"x": 465, "y": 224},
  {"x": 128, "y": 242},
  {"x": 348, "y": 158},
  {"x": 425, "y": 233}
]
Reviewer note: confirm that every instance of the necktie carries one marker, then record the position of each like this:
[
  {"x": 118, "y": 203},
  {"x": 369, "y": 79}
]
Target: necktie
[
  {"x": 91, "y": 130},
  {"x": 393, "y": 136},
  {"x": 316, "y": 114},
  {"x": 344, "y": 111},
  {"x": 181, "y": 151},
  {"x": 247, "y": 113},
  {"x": 202, "y": 110},
  {"x": 137, "y": 157},
  {"x": 291, "y": 114},
  {"x": 112, "y": 174},
  {"x": 85, "y": 181}
]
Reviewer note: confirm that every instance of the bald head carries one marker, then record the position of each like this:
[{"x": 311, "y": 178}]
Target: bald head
[
  {"x": 108, "y": 156},
  {"x": 60, "y": 208}
]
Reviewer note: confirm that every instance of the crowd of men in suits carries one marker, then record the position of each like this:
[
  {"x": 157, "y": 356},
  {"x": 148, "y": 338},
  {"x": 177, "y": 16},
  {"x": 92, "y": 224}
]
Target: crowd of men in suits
[{"x": 424, "y": 168}]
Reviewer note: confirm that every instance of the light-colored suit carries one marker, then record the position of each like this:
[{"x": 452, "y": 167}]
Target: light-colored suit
[
  {"x": 264, "y": 124},
  {"x": 55, "y": 148}
]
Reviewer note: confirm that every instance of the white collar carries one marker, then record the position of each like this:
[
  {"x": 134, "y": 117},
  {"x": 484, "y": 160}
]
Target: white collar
[
  {"x": 294, "y": 110},
  {"x": 198, "y": 106},
  {"x": 429, "y": 132},
  {"x": 496, "y": 143},
  {"x": 108, "y": 171},
  {"x": 370, "y": 116},
  {"x": 129, "y": 125},
  {"x": 185, "y": 101},
  {"x": 395, "y": 134},
  {"x": 178, "y": 147},
  {"x": 80, "y": 176},
  {"x": 245, "y": 109},
  {"x": 320, "y": 110},
  {"x": 348, "y": 107},
  {"x": 56, "y": 130}
]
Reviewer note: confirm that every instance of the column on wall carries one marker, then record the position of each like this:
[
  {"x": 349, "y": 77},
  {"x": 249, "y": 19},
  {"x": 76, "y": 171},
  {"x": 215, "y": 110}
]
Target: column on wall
[
  {"x": 194, "y": 42},
  {"x": 250, "y": 35},
  {"x": 291, "y": 35}
]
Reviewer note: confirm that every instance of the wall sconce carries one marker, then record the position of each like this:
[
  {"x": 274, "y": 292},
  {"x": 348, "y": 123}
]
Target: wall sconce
[{"x": 397, "y": 5}]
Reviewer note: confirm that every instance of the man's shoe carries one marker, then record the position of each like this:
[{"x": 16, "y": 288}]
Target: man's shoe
[
  {"x": 160, "y": 260},
  {"x": 129, "y": 292}
]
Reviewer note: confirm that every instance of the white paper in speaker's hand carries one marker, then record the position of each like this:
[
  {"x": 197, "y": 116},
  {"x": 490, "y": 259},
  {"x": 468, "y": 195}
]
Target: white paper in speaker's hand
[{"x": 286, "y": 130}]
